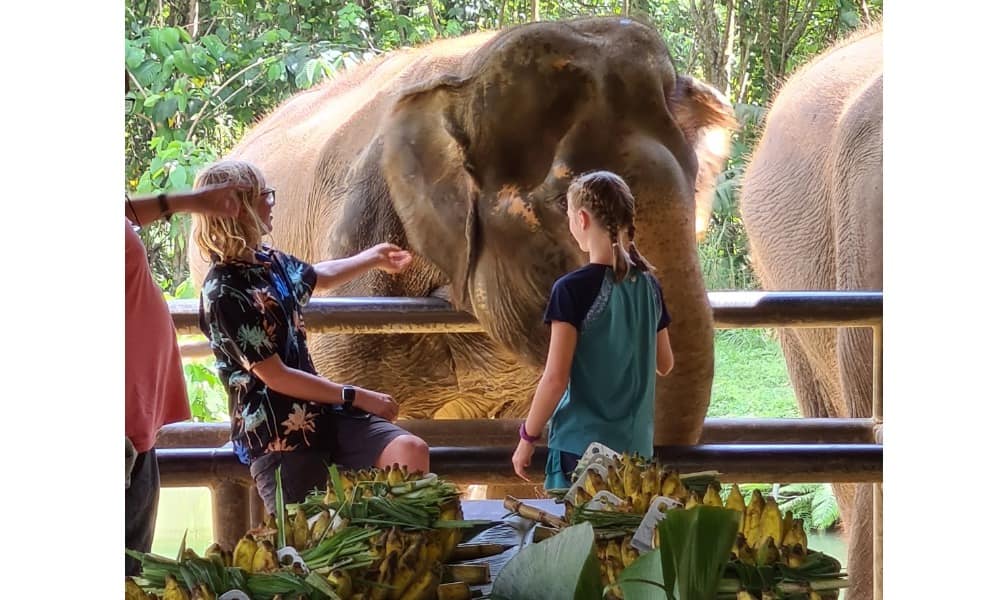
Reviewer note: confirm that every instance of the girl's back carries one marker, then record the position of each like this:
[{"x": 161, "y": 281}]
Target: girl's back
[{"x": 612, "y": 379}]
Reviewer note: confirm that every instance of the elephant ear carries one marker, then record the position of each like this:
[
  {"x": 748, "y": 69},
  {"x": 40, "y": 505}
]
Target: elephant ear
[
  {"x": 707, "y": 119},
  {"x": 432, "y": 184}
]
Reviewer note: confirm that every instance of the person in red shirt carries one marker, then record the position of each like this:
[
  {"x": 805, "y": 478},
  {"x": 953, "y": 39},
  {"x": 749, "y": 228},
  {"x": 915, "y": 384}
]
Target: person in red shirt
[{"x": 155, "y": 392}]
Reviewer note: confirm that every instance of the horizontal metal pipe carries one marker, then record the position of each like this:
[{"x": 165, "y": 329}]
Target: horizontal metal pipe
[
  {"x": 503, "y": 432},
  {"x": 785, "y": 463},
  {"x": 370, "y": 315}
]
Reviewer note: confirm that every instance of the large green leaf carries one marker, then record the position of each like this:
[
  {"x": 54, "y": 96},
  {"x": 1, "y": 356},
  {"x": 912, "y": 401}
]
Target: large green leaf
[
  {"x": 643, "y": 579},
  {"x": 694, "y": 547},
  {"x": 549, "y": 569}
]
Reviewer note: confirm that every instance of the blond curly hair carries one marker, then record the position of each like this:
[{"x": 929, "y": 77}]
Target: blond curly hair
[{"x": 227, "y": 238}]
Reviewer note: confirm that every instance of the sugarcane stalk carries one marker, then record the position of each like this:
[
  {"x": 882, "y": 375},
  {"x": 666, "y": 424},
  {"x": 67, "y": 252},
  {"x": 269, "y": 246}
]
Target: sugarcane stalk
[
  {"x": 474, "y": 551},
  {"x": 475, "y": 574},
  {"x": 535, "y": 514},
  {"x": 732, "y": 586}
]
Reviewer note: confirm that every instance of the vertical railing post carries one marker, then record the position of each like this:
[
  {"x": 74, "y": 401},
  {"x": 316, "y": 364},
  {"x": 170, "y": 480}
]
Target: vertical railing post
[
  {"x": 877, "y": 488},
  {"x": 258, "y": 512},
  {"x": 230, "y": 512}
]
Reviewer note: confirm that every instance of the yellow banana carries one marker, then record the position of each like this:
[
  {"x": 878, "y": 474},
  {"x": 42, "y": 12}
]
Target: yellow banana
[
  {"x": 650, "y": 481},
  {"x": 712, "y": 497},
  {"x": 319, "y": 527},
  {"x": 133, "y": 591},
  {"x": 629, "y": 554},
  {"x": 630, "y": 479},
  {"x": 734, "y": 501},
  {"x": 745, "y": 595},
  {"x": 173, "y": 590},
  {"x": 203, "y": 593},
  {"x": 752, "y": 527},
  {"x": 592, "y": 482},
  {"x": 786, "y": 525},
  {"x": 425, "y": 587},
  {"x": 770, "y": 521},
  {"x": 614, "y": 483},
  {"x": 692, "y": 500},
  {"x": 671, "y": 482},
  {"x": 341, "y": 583},
  {"x": 243, "y": 555},
  {"x": 265, "y": 559},
  {"x": 767, "y": 553},
  {"x": 395, "y": 476},
  {"x": 300, "y": 530}
]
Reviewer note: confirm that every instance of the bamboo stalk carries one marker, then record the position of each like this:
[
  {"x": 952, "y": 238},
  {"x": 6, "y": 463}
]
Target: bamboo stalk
[{"x": 535, "y": 514}]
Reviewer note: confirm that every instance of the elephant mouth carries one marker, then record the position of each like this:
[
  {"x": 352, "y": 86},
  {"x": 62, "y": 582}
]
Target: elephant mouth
[{"x": 510, "y": 290}]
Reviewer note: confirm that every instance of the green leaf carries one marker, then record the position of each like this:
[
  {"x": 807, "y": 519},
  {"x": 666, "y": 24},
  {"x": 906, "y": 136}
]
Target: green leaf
[
  {"x": 279, "y": 507},
  {"x": 635, "y": 579},
  {"x": 276, "y": 71},
  {"x": 550, "y": 568},
  {"x": 179, "y": 178},
  {"x": 166, "y": 109},
  {"x": 695, "y": 545}
]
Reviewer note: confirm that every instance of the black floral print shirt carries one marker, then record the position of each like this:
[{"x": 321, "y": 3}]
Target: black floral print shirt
[{"x": 249, "y": 312}]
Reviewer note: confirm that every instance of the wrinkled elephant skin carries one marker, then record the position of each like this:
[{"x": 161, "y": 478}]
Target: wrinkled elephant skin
[
  {"x": 812, "y": 206},
  {"x": 462, "y": 151}
]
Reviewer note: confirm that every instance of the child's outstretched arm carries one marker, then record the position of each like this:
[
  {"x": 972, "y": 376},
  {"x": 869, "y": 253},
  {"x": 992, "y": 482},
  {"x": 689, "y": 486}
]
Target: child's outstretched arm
[
  {"x": 550, "y": 389},
  {"x": 664, "y": 354},
  {"x": 387, "y": 257}
]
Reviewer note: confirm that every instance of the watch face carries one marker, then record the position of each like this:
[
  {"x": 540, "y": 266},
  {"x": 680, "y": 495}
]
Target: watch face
[{"x": 349, "y": 394}]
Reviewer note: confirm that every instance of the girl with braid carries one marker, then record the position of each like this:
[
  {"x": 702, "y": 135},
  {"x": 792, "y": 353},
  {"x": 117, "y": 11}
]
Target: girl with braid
[{"x": 609, "y": 336}]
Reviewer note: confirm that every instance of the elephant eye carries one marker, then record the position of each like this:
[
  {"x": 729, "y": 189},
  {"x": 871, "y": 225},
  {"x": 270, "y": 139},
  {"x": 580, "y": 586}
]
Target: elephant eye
[{"x": 561, "y": 201}]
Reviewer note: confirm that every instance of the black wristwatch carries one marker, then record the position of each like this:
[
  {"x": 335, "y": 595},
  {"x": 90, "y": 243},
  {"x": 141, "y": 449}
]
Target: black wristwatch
[{"x": 347, "y": 394}]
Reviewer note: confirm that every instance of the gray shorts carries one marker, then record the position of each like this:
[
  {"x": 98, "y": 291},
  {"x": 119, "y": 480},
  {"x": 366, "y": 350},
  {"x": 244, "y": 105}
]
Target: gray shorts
[{"x": 361, "y": 438}]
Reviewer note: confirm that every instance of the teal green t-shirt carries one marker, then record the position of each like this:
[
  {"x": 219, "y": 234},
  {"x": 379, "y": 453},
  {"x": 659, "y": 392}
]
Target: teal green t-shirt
[{"x": 612, "y": 381}]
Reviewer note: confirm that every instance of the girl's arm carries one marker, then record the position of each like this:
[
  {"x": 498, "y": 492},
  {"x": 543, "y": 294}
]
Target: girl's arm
[
  {"x": 554, "y": 379},
  {"x": 550, "y": 389},
  {"x": 279, "y": 377},
  {"x": 387, "y": 257},
  {"x": 664, "y": 354}
]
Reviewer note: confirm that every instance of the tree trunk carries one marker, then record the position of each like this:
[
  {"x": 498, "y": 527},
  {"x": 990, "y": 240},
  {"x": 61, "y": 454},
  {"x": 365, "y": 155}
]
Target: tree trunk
[
  {"x": 503, "y": 9},
  {"x": 434, "y": 19},
  {"x": 193, "y": 18},
  {"x": 534, "y": 10},
  {"x": 866, "y": 16},
  {"x": 625, "y": 7}
]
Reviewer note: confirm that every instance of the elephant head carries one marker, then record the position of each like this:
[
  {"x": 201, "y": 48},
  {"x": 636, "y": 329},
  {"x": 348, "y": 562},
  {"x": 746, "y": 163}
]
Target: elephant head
[{"x": 478, "y": 161}]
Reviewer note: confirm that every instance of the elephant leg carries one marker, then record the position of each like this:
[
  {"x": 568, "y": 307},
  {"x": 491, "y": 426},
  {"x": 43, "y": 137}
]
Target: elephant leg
[
  {"x": 854, "y": 354},
  {"x": 812, "y": 395},
  {"x": 859, "y": 556}
]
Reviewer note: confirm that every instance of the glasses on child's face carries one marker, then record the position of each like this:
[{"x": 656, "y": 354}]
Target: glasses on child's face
[{"x": 268, "y": 195}]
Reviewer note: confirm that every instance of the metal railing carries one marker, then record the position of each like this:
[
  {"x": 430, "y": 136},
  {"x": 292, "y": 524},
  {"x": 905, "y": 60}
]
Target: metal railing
[{"x": 844, "y": 450}]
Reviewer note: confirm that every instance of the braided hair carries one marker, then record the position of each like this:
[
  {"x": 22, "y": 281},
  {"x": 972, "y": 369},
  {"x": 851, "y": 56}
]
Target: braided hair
[{"x": 608, "y": 198}]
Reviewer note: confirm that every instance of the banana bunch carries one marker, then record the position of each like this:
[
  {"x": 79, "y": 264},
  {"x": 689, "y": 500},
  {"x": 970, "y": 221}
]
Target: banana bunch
[
  {"x": 765, "y": 537},
  {"x": 636, "y": 481},
  {"x": 613, "y": 556},
  {"x": 408, "y": 564}
]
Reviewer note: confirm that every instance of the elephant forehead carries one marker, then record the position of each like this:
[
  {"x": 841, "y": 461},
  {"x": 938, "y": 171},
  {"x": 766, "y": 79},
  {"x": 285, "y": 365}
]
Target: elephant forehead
[{"x": 510, "y": 202}]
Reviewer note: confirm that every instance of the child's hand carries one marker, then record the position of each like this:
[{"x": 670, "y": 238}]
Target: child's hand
[
  {"x": 389, "y": 257},
  {"x": 522, "y": 458}
]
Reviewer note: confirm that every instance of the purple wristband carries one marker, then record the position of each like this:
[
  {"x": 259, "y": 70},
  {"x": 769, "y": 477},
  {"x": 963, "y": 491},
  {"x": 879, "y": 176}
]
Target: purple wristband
[{"x": 531, "y": 439}]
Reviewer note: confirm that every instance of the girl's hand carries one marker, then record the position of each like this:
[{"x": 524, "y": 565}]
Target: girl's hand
[
  {"x": 389, "y": 257},
  {"x": 378, "y": 404},
  {"x": 522, "y": 458}
]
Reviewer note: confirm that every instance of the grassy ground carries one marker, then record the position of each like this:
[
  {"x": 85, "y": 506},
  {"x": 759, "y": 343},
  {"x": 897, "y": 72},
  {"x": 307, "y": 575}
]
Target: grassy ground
[{"x": 750, "y": 376}]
